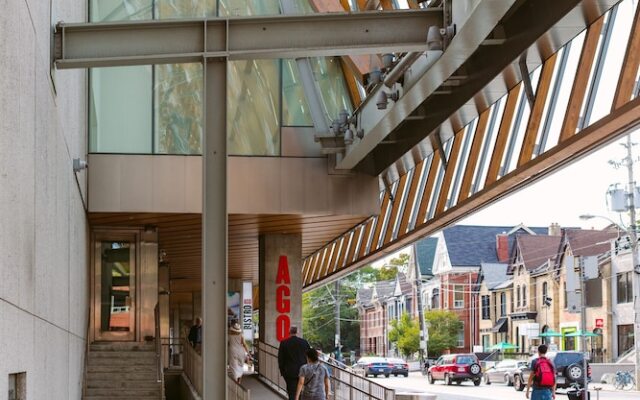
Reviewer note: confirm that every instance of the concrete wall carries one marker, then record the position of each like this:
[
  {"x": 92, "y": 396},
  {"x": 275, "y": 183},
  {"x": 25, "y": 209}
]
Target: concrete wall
[{"x": 43, "y": 228}]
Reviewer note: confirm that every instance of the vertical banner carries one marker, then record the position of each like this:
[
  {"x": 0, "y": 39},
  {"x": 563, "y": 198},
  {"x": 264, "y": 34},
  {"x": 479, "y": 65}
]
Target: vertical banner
[
  {"x": 233, "y": 307},
  {"x": 247, "y": 310}
]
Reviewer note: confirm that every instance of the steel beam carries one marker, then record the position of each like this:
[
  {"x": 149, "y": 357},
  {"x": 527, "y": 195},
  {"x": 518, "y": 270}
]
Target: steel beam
[{"x": 87, "y": 45}]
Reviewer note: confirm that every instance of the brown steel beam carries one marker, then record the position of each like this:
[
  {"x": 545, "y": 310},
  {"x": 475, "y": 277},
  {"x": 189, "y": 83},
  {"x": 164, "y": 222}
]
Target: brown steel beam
[
  {"x": 474, "y": 154},
  {"x": 428, "y": 188},
  {"x": 397, "y": 202},
  {"x": 448, "y": 174},
  {"x": 411, "y": 199},
  {"x": 630, "y": 65},
  {"x": 581, "y": 82},
  {"x": 535, "y": 119},
  {"x": 503, "y": 134}
]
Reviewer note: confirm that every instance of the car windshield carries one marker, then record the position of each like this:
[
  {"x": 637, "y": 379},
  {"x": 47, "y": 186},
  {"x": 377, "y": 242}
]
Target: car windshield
[
  {"x": 564, "y": 359},
  {"x": 465, "y": 360},
  {"x": 396, "y": 361}
]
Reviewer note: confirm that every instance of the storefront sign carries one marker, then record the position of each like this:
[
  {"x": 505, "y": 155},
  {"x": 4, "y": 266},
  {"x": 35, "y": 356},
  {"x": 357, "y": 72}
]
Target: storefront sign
[
  {"x": 247, "y": 310},
  {"x": 599, "y": 323},
  {"x": 283, "y": 301}
]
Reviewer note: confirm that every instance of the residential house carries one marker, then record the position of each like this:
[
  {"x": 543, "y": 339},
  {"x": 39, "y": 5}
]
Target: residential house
[
  {"x": 622, "y": 314},
  {"x": 494, "y": 296},
  {"x": 378, "y": 305},
  {"x": 577, "y": 244}
]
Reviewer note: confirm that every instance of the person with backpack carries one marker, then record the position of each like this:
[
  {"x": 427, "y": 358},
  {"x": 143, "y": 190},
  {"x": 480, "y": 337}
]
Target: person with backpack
[
  {"x": 313, "y": 381},
  {"x": 542, "y": 377}
]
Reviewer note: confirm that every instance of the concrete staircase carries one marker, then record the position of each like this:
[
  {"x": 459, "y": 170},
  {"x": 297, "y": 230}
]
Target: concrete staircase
[{"x": 122, "y": 371}]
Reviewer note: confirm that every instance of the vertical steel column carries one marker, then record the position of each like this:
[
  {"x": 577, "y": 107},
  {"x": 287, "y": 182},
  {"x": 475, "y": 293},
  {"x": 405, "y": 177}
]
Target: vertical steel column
[{"x": 214, "y": 230}]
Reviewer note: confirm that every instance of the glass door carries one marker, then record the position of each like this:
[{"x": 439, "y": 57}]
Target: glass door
[{"x": 114, "y": 290}]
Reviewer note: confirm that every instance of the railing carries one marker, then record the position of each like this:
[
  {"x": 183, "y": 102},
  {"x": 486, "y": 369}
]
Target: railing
[
  {"x": 192, "y": 367},
  {"x": 235, "y": 391},
  {"x": 159, "y": 371},
  {"x": 345, "y": 384}
]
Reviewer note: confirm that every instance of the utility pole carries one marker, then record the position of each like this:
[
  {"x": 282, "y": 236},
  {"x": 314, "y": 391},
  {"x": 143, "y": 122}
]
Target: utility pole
[
  {"x": 634, "y": 256},
  {"x": 583, "y": 328},
  {"x": 337, "y": 316},
  {"x": 423, "y": 328}
]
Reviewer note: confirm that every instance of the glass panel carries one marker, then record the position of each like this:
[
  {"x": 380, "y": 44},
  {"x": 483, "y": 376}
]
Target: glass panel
[
  {"x": 249, "y": 7},
  {"x": 120, "y": 10},
  {"x": 253, "y": 108},
  {"x": 178, "y": 109},
  {"x": 165, "y": 9},
  {"x": 329, "y": 77},
  {"x": 120, "y": 110},
  {"x": 295, "y": 109},
  {"x": 115, "y": 288}
]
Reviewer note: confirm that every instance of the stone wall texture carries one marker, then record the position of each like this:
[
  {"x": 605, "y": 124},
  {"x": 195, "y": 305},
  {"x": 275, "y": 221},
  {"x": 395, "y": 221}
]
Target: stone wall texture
[{"x": 43, "y": 226}]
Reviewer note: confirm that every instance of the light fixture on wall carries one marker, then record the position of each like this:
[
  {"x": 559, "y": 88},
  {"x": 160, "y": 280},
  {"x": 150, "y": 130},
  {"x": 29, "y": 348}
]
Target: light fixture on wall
[{"x": 79, "y": 165}]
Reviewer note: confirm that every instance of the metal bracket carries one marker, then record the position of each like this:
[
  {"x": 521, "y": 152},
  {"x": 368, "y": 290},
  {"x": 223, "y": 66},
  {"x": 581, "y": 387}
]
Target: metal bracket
[{"x": 526, "y": 79}]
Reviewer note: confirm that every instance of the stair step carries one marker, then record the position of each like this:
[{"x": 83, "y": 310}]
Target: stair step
[
  {"x": 121, "y": 361},
  {"x": 124, "y": 383},
  {"x": 124, "y": 397},
  {"x": 118, "y": 393},
  {"x": 122, "y": 346},
  {"x": 130, "y": 368},
  {"x": 120, "y": 375},
  {"x": 123, "y": 354}
]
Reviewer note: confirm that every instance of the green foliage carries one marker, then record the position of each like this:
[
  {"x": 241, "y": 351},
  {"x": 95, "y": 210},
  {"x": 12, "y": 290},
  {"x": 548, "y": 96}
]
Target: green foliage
[
  {"x": 318, "y": 318},
  {"x": 443, "y": 330},
  {"x": 405, "y": 333}
]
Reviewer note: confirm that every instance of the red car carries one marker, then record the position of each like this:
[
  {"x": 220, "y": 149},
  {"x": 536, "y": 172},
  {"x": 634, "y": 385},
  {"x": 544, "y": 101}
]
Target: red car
[{"x": 456, "y": 368}]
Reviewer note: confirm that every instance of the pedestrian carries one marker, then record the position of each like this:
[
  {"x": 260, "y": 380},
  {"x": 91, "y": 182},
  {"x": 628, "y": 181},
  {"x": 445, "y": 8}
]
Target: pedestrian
[
  {"x": 542, "y": 377},
  {"x": 195, "y": 334},
  {"x": 237, "y": 351},
  {"x": 292, "y": 356},
  {"x": 313, "y": 380}
]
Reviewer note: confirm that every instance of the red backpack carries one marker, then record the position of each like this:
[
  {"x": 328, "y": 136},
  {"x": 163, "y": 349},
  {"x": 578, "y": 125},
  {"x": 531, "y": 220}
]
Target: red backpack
[{"x": 543, "y": 373}]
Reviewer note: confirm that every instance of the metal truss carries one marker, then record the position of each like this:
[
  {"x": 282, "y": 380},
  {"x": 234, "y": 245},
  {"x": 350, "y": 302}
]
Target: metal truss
[
  {"x": 508, "y": 147},
  {"x": 108, "y": 44}
]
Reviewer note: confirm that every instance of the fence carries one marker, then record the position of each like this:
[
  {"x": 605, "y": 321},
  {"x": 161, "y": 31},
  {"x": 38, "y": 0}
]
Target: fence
[
  {"x": 192, "y": 367},
  {"x": 345, "y": 384}
]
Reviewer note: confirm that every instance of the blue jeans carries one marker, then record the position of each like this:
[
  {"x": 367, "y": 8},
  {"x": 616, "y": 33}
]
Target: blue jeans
[{"x": 541, "y": 394}]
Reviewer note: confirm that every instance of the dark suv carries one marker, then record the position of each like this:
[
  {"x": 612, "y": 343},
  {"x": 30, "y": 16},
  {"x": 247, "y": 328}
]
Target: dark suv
[
  {"x": 456, "y": 368},
  {"x": 569, "y": 370}
]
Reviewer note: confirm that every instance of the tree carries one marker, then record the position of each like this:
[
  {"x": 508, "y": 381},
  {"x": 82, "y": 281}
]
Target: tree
[
  {"x": 405, "y": 333},
  {"x": 443, "y": 330}
]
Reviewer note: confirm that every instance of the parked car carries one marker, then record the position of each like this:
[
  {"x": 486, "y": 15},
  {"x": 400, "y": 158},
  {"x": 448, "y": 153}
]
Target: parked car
[
  {"x": 399, "y": 367},
  {"x": 503, "y": 372},
  {"x": 569, "y": 370},
  {"x": 374, "y": 366},
  {"x": 456, "y": 368}
]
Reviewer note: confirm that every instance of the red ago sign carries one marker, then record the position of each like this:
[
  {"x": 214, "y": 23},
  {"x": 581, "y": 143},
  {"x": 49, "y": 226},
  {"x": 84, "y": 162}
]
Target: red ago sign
[
  {"x": 599, "y": 323},
  {"x": 283, "y": 303}
]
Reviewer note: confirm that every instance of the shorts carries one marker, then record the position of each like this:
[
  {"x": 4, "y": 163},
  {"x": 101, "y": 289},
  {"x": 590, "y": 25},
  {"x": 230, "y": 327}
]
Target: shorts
[{"x": 541, "y": 394}]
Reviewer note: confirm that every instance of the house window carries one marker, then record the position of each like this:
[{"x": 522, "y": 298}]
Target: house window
[
  {"x": 503, "y": 304},
  {"x": 461, "y": 336},
  {"x": 18, "y": 386},
  {"x": 545, "y": 290},
  {"x": 458, "y": 296},
  {"x": 625, "y": 338},
  {"x": 485, "y": 307},
  {"x": 495, "y": 304},
  {"x": 565, "y": 295},
  {"x": 435, "y": 299},
  {"x": 524, "y": 296},
  {"x": 593, "y": 292},
  {"x": 408, "y": 307},
  {"x": 486, "y": 342},
  {"x": 625, "y": 290},
  {"x": 518, "y": 296}
]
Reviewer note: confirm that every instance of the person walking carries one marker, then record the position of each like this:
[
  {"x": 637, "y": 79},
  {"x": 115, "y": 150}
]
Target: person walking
[
  {"x": 195, "y": 334},
  {"x": 313, "y": 380},
  {"x": 292, "y": 356},
  {"x": 237, "y": 350},
  {"x": 542, "y": 377}
]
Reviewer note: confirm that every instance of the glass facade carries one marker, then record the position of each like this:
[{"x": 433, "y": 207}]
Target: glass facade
[{"x": 158, "y": 109}]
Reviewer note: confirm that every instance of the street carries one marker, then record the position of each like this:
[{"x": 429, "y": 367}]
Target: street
[{"x": 466, "y": 391}]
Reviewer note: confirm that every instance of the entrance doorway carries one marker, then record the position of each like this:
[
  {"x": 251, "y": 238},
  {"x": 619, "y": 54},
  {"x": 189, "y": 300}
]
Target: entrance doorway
[{"x": 114, "y": 276}]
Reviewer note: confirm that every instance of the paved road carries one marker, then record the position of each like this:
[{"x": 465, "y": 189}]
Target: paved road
[{"x": 466, "y": 391}]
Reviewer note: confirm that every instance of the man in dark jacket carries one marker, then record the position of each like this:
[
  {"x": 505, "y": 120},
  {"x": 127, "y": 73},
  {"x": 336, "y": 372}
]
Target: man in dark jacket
[
  {"x": 195, "y": 335},
  {"x": 291, "y": 356}
]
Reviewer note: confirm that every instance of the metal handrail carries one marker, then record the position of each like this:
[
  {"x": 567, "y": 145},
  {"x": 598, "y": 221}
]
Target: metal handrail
[
  {"x": 159, "y": 372},
  {"x": 236, "y": 391},
  {"x": 192, "y": 368},
  {"x": 345, "y": 384}
]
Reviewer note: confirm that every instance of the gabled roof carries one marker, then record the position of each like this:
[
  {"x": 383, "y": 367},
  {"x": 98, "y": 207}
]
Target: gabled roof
[
  {"x": 471, "y": 245},
  {"x": 589, "y": 242},
  {"x": 537, "y": 250},
  {"x": 381, "y": 291},
  {"x": 425, "y": 251},
  {"x": 494, "y": 274}
]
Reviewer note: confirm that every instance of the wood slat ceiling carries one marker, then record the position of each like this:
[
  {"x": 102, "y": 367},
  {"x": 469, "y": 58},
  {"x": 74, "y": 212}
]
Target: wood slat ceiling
[{"x": 180, "y": 236}]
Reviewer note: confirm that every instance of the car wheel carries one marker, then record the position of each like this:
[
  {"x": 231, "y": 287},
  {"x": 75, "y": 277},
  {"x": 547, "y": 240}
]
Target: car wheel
[
  {"x": 573, "y": 372},
  {"x": 387, "y": 375},
  {"x": 430, "y": 378},
  {"x": 395, "y": 375},
  {"x": 447, "y": 380},
  {"x": 375, "y": 375},
  {"x": 517, "y": 383},
  {"x": 458, "y": 383},
  {"x": 507, "y": 380},
  {"x": 476, "y": 382},
  {"x": 406, "y": 375}
]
